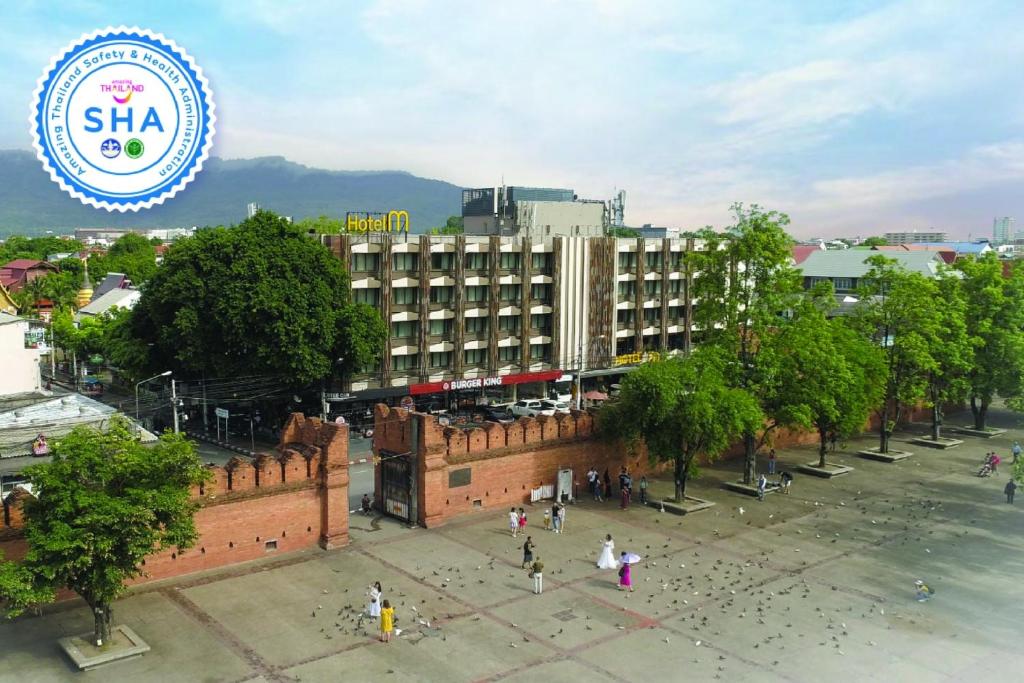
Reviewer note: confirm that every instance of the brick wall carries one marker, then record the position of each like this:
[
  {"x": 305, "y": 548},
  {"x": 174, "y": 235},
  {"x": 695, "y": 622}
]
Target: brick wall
[{"x": 293, "y": 499}]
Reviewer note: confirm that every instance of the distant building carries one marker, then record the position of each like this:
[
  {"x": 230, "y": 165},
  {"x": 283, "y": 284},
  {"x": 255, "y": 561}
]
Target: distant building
[
  {"x": 649, "y": 231},
  {"x": 531, "y": 212},
  {"x": 961, "y": 248},
  {"x": 844, "y": 269},
  {"x": 914, "y": 237},
  {"x": 107, "y": 236},
  {"x": 21, "y": 359},
  {"x": 19, "y": 272},
  {"x": 1002, "y": 230}
]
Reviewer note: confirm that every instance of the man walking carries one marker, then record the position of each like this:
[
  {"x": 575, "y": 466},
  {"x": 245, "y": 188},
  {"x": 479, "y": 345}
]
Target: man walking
[
  {"x": 1009, "y": 490},
  {"x": 536, "y": 571},
  {"x": 556, "y": 521},
  {"x": 592, "y": 480},
  {"x": 1016, "y": 451}
]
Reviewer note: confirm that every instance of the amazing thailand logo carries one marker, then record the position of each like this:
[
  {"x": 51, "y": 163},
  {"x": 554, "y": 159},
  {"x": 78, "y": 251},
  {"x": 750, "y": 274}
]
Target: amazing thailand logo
[{"x": 123, "y": 119}]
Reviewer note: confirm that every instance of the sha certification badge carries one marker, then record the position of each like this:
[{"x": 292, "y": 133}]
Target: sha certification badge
[{"x": 123, "y": 119}]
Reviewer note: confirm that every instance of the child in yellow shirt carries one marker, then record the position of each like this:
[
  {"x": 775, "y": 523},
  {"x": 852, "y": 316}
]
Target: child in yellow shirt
[{"x": 387, "y": 621}]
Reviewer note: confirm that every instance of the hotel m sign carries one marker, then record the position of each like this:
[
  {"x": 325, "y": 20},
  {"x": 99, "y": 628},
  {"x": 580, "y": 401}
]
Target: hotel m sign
[{"x": 392, "y": 221}]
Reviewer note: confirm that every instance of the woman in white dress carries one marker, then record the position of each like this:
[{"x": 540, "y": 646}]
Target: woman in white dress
[
  {"x": 607, "y": 559},
  {"x": 376, "y": 597}
]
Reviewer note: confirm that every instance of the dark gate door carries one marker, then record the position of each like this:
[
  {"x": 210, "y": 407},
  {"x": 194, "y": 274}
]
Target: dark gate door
[{"x": 396, "y": 484}]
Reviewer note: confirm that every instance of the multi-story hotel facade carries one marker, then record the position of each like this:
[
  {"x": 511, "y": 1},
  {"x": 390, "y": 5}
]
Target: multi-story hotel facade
[{"x": 511, "y": 315}]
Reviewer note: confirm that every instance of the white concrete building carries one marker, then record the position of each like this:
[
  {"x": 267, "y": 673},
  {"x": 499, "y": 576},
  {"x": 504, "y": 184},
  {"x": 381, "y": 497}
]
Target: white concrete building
[{"x": 19, "y": 366}]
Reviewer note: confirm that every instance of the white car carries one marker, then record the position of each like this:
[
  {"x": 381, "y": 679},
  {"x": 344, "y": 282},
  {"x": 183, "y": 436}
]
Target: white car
[
  {"x": 557, "y": 406},
  {"x": 531, "y": 407}
]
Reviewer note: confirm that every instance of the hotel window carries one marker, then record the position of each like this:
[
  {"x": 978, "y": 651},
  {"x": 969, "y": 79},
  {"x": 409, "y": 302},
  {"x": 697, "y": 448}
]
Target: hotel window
[
  {"x": 444, "y": 260},
  {"x": 627, "y": 260},
  {"x": 652, "y": 288},
  {"x": 474, "y": 356},
  {"x": 510, "y": 292},
  {"x": 363, "y": 263},
  {"x": 406, "y": 295},
  {"x": 652, "y": 260},
  {"x": 368, "y": 295},
  {"x": 676, "y": 314},
  {"x": 627, "y": 290},
  {"x": 508, "y": 323},
  {"x": 405, "y": 262},
  {"x": 441, "y": 327},
  {"x": 440, "y": 359},
  {"x": 652, "y": 316},
  {"x": 405, "y": 329},
  {"x": 509, "y": 260},
  {"x": 476, "y": 261},
  {"x": 508, "y": 353},
  {"x": 540, "y": 352},
  {"x": 675, "y": 289},
  {"x": 541, "y": 322},
  {"x": 540, "y": 262},
  {"x": 675, "y": 341},
  {"x": 441, "y": 295},
  {"x": 626, "y": 318},
  {"x": 541, "y": 293},
  {"x": 476, "y": 325},
  {"x": 409, "y": 362},
  {"x": 476, "y": 293}
]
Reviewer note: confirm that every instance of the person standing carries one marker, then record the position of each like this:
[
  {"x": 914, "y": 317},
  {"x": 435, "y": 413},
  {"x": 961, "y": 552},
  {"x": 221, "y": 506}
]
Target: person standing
[
  {"x": 387, "y": 622},
  {"x": 592, "y": 482},
  {"x": 833, "y": 437},
  {"x": 547, "y": 519},
  {"x": 561, "y": 518},
  {"x": 787, "y": 480},
  {"x": 555, "y": 522},
  {"x": 625, "y": 575},
  {"x": 537, "y": 573},
  {"x": 513, "y": 521},
  {"x": 643, "y": 490},
  {"x": 522, "y": 521},
  {"x": 1016, "y": 451},
  {"x": 528, "y": 552},
  {"x": 762, "y": 486},
  {"x": 771, "y": 461},
  {"x": 1009, "y": 490},
  {"x": 624, "y": 494},
  {"x": 607, "y": 558},
  {"x": 597, "y": 490},
  {"x": 376, "y": 595}
]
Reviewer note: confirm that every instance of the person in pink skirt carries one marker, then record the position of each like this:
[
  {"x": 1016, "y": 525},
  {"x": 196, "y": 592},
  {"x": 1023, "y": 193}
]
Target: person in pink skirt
[
  {"x": 522, "y": 521},
  {"x": 625, "y": 580}
]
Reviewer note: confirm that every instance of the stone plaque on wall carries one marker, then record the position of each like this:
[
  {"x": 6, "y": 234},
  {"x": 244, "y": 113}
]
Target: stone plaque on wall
[{"x": 458, "y": 478}]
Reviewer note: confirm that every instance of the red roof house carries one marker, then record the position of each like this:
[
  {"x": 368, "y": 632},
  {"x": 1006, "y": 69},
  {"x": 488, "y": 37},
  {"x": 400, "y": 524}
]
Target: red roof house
[{"x": 19, "y": 272}]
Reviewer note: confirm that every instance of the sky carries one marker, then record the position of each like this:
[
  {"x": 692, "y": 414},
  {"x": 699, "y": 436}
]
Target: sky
[{"x": 854, "y": 118}]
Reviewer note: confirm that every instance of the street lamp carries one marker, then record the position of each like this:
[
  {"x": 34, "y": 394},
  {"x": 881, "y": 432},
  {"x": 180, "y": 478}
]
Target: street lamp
[{"x": 137, "y": 384}]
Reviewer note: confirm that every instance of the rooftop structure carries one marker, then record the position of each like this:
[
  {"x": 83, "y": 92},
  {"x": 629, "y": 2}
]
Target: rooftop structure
[
  {"x": 914, "y": 237},
  {"x": 534, "y": 212}
]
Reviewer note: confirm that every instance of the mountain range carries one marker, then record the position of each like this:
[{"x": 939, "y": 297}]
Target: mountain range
[{"x": 31, "y": 204}]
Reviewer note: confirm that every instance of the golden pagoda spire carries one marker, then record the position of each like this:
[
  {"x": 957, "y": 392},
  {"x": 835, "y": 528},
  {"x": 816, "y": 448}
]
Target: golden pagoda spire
[{"x": 85, "y": 293}]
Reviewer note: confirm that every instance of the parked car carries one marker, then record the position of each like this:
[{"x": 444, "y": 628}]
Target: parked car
[
  {"x": 556, "y": 406},
  {"x": 496, "y": 413},
  {"x": 531, "y": 407}
]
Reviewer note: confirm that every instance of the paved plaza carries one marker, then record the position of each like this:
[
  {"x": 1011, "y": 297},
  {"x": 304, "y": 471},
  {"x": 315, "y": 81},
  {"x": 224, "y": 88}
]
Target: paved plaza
[{"x": 814, "y": 586}]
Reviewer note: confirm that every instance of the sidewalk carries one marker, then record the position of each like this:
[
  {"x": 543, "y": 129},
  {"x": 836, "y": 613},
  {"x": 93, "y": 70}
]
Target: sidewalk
[{"x": 812, "y": 586}]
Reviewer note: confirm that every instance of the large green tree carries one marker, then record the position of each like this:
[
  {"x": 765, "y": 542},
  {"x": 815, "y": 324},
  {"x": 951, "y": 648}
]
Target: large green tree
[
  {"x": 258, "y": 298},
  {"x": 131, "y": 254},
  {"x": 896, "y": 312},
  {"x": 36, "y": 248},
  {"x": 949, "y": 346},
  {"x": 681, "y": 408},
  {"x": 995, "y": 320},
  {"x": 745, "y": 283},
  {"x": 102, "y": 505},
  {"x": 829, "y": 377}
]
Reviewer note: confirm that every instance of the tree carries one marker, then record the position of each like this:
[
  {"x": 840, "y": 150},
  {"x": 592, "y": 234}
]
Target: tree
[
  {"x": 35, "y": 248},
  {"x": 131, "y": 254},
  {"x": 995, "y": 319},
  {"x": 875, "y": 242},
  {"x": 103, "y": 504},
  {"x": 257, "y": 298},
  {"x": 453, "y": 226},
  {"x": 745, "y": 285},
  {"x": 122, "y": 349},
  {"x": 362, "y": 333},
  {"x": 949, "y": 347},
  {"x": 828, "y": 376},
  {"x": 681, "y": 408},
  {"x": 896, "y": 312},
  {"x": 623, "y": 232}
]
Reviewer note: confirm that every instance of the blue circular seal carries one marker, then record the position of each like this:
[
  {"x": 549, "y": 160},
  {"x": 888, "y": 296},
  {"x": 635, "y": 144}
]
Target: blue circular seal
[{"x": 123, "y": 119}]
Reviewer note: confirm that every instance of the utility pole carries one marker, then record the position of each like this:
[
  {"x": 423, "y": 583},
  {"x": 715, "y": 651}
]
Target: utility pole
[
  {"x": 174, "y": 404},
  {"x": 53, "y": 356}
]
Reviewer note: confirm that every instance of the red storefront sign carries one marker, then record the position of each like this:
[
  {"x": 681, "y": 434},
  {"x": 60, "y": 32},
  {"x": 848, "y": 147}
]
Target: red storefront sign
[{"x": 483, "y": 382}]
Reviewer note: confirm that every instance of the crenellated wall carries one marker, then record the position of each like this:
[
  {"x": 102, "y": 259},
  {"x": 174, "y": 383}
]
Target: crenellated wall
[{"x": 293, "y": 499}]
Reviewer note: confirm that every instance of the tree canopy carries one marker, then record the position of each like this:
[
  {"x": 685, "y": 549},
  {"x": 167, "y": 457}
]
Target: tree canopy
[
  {"x": 102, "y": 505},
  {"x": 257, "y": 298},
  {"x": 875, "y": 242},
  {"x": 681, "y": 408},
  {"x": 131, "y": 254},
  {"x": 745, "y": 283},
  {"x": 36, "y": 248},
  {"x": 453, "y": 226}
]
